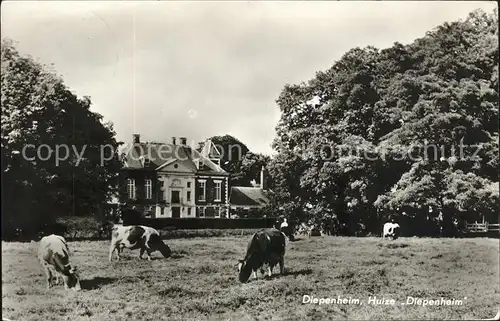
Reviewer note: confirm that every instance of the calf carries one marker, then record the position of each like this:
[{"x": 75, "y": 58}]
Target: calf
[
  {"x": 266, "y": 247},
  {"x": 391, "y": 230},
  {"x": 53, "y": 254},
  {"x": 145, "y": 238}
]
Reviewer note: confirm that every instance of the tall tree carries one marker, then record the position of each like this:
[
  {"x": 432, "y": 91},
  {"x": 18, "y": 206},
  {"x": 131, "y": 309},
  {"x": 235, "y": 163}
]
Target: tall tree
[
  {"x": 350, "y": 136},
  {"x": 39, "y": 113},
  {"x": 243, "y": 165}
]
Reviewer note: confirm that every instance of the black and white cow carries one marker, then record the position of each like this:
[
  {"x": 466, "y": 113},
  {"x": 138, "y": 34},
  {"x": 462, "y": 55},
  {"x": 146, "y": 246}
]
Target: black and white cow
[
  {"x": 391, "y": 230},
  {"x": 266, "y": 247},
  {"x": 145, "y": 238},
  {"x": 53, "y": 254}
]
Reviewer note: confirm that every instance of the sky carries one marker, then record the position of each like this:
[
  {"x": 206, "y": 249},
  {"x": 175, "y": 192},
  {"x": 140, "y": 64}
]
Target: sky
[{"x": 199, "y": 69}]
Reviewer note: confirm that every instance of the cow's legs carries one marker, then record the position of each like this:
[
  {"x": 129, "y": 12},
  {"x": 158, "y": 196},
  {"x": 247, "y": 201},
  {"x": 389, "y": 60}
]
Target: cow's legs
[
  {"x": 65, "y": 281},
  {"x": 48, "y": 274},
  {"x": 255, "y": 274},
  {"x": 148, "y": 253},
  {"x": 269, "y": 270},
  {"x": 141, "y": 253},
  {"x": 58, "y": 278},
  {"x": 112, "y": 248},
  {"x": 119, "y": 249},
  {"x": 282, "y": 265}
]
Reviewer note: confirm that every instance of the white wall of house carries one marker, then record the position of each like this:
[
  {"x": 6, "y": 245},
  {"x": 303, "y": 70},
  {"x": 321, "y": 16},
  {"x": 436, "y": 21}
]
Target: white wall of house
[
  {"x": 183, "y": 184},
  {"x": 167, "y": 211}
]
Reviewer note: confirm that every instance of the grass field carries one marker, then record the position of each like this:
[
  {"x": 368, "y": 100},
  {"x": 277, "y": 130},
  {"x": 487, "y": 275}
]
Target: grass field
[{"x": 200, "y": 281}]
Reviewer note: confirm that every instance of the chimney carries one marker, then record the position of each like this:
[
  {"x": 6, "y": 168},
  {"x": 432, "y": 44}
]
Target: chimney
[
  {"x": 173, "y": 141},
  {"x": 136, "y": 138},
  {"x": 183, "y": 141},
  {"x": 262, "y": 183}
]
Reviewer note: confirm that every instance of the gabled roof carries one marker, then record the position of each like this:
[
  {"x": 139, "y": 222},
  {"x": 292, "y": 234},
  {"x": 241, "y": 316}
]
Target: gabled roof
[
  {"x": 210, "y": 150},
  {"x": 160, "y": 155},
  {"x": 248, "y": 196}
]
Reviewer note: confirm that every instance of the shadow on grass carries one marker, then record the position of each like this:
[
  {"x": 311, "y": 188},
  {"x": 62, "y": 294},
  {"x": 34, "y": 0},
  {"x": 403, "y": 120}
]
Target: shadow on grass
[
  {"x": 298, "y": 272},
  {"x": 176, "y": 291},
  {"x": 96, "y": 283},
  {"x": 393, "y": 245},
  {"x": 178, "y": 254},
  {"x": 289, "y": 273}
]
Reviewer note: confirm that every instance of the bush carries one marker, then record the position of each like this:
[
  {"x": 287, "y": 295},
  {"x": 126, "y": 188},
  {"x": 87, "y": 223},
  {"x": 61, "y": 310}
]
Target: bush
[
  {"x": 175, "y": 234},
  {"x": 82, "y": 227}
]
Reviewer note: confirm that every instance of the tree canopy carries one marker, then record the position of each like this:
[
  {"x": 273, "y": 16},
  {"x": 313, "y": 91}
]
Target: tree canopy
[
  {"x": 40, "y": 114},
  {"x": 243, "y": 165},
  {"x": 411, "y": 126}
]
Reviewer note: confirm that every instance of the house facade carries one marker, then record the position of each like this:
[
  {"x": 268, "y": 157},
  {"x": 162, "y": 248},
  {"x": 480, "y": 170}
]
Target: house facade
[{"x": 174, "y": 180}]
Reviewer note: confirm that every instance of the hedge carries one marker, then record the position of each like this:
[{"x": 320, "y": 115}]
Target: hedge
[
  {"x": 91, "y": 228},
  {"x": 206, "y": 223},
  {"x": 180, "y": 234},
  {"x": 82, "y": 227}
]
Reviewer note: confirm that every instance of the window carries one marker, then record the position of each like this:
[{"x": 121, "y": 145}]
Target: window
[
  {"x": 217, "y": 211},
  {"x": 201, "y": 212},
  {"x": 188, "y": 196},
  {"x": 131, "y": 188},
  {"x": 189, "y": 184},
  {"x": 189, "y": 211},
  {"x": 202, "y": 190},
  {"x": 162, "y": 210},
  {"x": 218, "y": 191},
  {"x": 148, "y": 184},
  {"x": 146, "y": 162}
]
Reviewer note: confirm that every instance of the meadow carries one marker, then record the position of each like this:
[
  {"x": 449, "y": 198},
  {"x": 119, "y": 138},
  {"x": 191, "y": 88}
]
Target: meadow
[{"x": 199, "y": 282}]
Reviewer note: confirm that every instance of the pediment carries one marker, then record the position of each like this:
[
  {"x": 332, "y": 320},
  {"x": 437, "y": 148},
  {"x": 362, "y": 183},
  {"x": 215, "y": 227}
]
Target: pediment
[{"x": 174, "y": 166}]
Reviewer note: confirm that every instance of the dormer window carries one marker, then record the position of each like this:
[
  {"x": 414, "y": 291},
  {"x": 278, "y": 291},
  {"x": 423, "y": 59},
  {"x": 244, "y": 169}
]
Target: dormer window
[{"x": 145, "y": 161}]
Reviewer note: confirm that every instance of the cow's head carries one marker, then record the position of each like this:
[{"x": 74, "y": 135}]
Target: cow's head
[
  {"x": 156, "y": 244},
  {"x": 244, "y": 270},
  {"x": 72, "y": 279}
]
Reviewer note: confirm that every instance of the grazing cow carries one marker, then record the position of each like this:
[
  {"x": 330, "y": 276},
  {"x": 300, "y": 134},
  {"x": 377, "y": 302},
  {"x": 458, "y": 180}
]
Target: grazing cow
[
  {"x": 267, "y": 246},
  {"x": 391, "y": 230},
  {"x": 54, "y": 256},
  {"x": 137, "y": 237}
]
